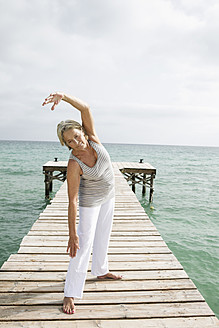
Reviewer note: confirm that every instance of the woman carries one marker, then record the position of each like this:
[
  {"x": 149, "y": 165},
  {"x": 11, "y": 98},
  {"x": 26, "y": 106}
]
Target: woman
[{"x": 89, "y": 174}]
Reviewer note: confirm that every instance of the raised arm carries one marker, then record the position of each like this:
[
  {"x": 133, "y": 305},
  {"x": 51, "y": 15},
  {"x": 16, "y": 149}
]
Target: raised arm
[{"x": 86, "y": 115}]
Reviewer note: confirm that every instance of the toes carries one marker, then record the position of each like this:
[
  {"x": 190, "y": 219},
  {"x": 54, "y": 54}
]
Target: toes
[
  {"x": 110, "y": 276},
  {"x": 68, "y": 309},
  {"x": 117, "y": 277}
]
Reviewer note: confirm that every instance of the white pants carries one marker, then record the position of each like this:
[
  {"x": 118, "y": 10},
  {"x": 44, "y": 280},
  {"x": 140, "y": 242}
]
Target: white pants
[{"x": 94, "y": 228}]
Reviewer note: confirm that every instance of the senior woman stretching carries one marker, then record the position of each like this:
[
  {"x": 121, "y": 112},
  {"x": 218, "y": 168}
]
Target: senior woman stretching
[{"x": 89, "y": 174}]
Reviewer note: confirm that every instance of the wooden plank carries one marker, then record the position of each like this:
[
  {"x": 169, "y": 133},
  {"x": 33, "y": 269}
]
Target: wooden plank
[
  {"x": 58, "y": 204},
  {"x": 118, "y": 219},
  {"x": 34, "y": 241},
  {"x": 125, "y": 235},
  {"x": 116, "y": 248},
  {"x": 112, "y": 250},
  {"x": 109, "y": 297},
  {"x": 60, "y": 276},
  {"x": 186, "y": 322},
  {"x": 113, "y": 233},
  {"x": 62, "y": 266},
  {"x": 62, "y": 227},
  {"x": 117, "y": 311},
  {"x": 97, "y": 285},
  {"x": 60, "y": 207},
  {"x": 114, "y": 236},
  {"x": 132, "y": 209},
  {"x": 156, "y": 241},
  {"x": 114, "y": 253},
  {"x": 130, "y": 216},
  {"x": 116, "y": 226},
  {"x": 111, "y": 258}
]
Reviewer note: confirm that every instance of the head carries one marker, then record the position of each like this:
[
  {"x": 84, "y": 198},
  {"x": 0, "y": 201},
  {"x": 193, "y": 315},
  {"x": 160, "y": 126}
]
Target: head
[{"x": 70, "y": 132}]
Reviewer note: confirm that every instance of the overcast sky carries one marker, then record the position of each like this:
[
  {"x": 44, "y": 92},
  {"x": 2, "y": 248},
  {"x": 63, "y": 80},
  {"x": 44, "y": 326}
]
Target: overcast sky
[{"x": 148, "y": 69}]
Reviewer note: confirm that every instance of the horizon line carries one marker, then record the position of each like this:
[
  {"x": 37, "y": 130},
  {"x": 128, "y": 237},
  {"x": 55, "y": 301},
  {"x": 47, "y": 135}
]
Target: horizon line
[{"x": 117, "y": 143}]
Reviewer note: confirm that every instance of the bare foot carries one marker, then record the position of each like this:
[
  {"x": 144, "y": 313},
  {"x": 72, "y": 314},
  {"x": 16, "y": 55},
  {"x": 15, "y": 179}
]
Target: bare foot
[
  {"x": 68, "y": 305},
  {"x": 110, "y": 275}
]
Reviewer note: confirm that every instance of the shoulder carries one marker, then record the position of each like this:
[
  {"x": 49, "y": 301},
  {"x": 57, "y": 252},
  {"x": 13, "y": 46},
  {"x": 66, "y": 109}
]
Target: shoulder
[{"x": 73, "y": 167}]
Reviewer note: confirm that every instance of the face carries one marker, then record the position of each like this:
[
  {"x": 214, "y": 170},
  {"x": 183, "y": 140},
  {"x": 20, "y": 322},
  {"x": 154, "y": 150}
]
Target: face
[{"x": 75, "y": 139}]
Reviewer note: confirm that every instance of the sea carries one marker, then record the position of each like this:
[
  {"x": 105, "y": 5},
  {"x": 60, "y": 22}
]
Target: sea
[{"x": 185, "y": 207}]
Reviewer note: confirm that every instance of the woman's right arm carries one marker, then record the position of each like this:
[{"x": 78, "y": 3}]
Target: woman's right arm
[{"x": 73, "y": 181}]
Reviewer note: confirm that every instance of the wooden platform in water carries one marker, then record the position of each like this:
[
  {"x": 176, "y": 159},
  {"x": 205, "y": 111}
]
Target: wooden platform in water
[
  {"x": 135, "y": 173},
  {"x": 155, "y": 292}
]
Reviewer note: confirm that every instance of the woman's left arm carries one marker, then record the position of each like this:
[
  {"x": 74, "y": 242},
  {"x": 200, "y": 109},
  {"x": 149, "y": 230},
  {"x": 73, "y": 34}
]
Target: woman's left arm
[{"x": 86, "y": 115}]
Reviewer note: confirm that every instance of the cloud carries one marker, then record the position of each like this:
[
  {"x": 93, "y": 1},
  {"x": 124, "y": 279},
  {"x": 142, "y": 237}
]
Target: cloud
[{"x": 131, "y": 60}]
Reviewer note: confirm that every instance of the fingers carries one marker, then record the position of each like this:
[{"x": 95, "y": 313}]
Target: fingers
[
  {"x": 53, "y": 97},
  {"x": 53, "y": 106},
  {"x": 56, "y": 102},
  {"x": 47, "y": 100},
  {"x": 73, "y": 250},
  {"x": 76, "y": 247},
  {"x": 73, "y": 246}
]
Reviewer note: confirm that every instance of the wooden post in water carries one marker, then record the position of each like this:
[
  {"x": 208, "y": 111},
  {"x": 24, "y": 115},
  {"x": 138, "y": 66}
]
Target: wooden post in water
[
  {"x": 144, "y": 184},
  {"x": 151, "y": 187},
  {"x": 133, "y": 182},
  {"x": 143, "y": 179},
  {"x": 47, "y": 184},
  {"x": 50, "y": 184},
  {"x": 49, "y": 170}
]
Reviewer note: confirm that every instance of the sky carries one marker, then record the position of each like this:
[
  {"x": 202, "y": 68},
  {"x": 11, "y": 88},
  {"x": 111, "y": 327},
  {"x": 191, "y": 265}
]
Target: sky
[{"x": 148, "y": 69}]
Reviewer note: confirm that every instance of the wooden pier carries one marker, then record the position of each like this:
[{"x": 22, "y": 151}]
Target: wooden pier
[
  {"x": 155, "y": 291},
  {"x": 135, "y": 174}
]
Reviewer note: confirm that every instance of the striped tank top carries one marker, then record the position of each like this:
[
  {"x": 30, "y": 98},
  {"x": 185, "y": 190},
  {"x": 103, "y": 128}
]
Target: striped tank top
[{"x": 97, "y": 182}]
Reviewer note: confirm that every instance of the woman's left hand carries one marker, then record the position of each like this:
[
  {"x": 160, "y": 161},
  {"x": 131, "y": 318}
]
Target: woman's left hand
[{"x": 54, "y": 98}]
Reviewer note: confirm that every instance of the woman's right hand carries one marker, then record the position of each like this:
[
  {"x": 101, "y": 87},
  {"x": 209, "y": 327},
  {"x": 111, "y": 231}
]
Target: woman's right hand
[
  {"x": 54, "y": 98},
  {"x": 73, "y": 245}
]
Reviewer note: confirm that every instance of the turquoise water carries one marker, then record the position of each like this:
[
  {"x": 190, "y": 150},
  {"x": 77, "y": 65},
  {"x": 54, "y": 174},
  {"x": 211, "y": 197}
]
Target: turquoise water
[{"x": 186, "y": 202}]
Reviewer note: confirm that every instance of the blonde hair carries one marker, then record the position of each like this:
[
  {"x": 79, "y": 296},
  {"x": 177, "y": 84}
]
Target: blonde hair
[{"x": 65, "y": 126}]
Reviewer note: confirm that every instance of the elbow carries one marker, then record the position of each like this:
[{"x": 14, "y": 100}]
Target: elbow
[{"x": 86, "y": 108}]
